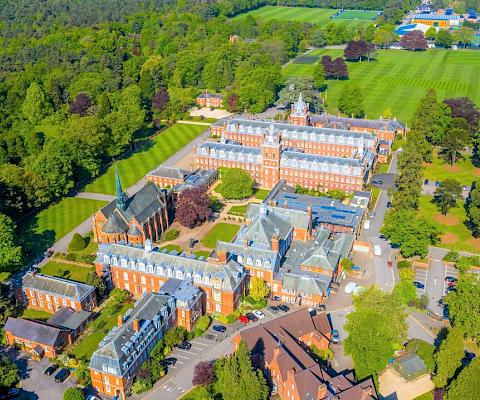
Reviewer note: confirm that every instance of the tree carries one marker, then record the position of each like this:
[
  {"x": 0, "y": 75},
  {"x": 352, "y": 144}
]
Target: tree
[
  {"x": 35, "y": 106},
  {"x": 384, "y": 37},
  {"x": 444, "y": 38},
  {"x": 77, "y": 243},
  {"x": 466, "y": 385},
  {"x": 160, "y": 100},
  {"x": 448, "y": 357},
  {"x": 454, "y": 143},
  {"x": 424, "y": 350},
  {"x": 94, "y": 280},
  {"x": 258, "y": 288},
  {"x": 431, "y": 33},
  {"x": 406, "y": 291},
  {"x": 81, "y": 104},
  {"x": 192, "y": 207},
  {"x": 375, "y": 329},
  {"x": 414, "y": 40},
  {"x": 73, "y": 393},
  {"x": 473, "y": 210},
  {"x": 300, "y": 85},
  {"x": 232, "y": 102},
  {"x": 336, "y": 69},
  {"x": 203, "y": 374},
  {"x": 463, "y": 107},
  {"x": 351, "y": 101},
  {"x": 463, "y": 36},
  {"x": 10, "y": 252},
  {"x": 411, "y": 233},
  {"x": 237, "y": 379},
  {"x": 358, "y": 49},
  {"x": 9, "y": 374},
  {"x": 447, "y": 194},
  {"x": 464, "y": 306},
  {"x": 319, "y": 76},
  {"x": 236, "y": 183}
]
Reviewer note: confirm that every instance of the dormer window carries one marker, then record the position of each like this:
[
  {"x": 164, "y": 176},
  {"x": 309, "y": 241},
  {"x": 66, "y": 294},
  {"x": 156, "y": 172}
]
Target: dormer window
[
  {"x": 222, "y": 153},
  {"x": 250, "y": 158},
  {"x": 179, "y": 275},
  {"x": 206, "y": 280},
  {"x": 106, "y": 259},
  {"x": 197, "y": 278},
  {"x": 114, "y": 260},
  {"x": 132, "y": 264},
  {"x": 123, "y": 263},
  {"x": 141, "y": 267},
  {"x": 204, "y": 151},
  {"x": 170, "y": 272},
  {"x": 304, "y": 164},
  {"x": 322, "y": 137},
  {"x": 294, "y": 163},
  {"x": 231, "y": 155},
  {"x": 213, "y": 153}
]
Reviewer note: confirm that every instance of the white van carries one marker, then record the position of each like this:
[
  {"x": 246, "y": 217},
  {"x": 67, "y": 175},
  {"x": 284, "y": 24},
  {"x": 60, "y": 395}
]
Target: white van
[
  {"x": 377, "y": 250},
  {"x": 366, "y": 225}
]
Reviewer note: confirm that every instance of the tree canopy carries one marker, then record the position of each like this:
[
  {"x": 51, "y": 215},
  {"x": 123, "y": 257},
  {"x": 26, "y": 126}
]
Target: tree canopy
[
  {"x": 235, "y": 183},
  {"x": 466, "y": 385},
  {"x": 448, "y": 357}
]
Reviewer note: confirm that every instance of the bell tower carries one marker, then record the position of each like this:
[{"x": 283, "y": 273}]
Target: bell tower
[
  {"x": 271, "y": 151},
  {"x": 299, "y": 112}
]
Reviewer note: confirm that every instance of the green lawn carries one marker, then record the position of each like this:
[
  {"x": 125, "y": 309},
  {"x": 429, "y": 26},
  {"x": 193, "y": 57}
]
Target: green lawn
[
  {"x": 67, "y": 271},
  {"x": 134, "y": 168},
  {"x": 221, "y": 231},
  {"x": 463, "y": 170},
  {"x": 398, "y": 79},
  {"x": 454, "y": 234},
  {"x": 261, "y": 194},
  {"x": 41, "y": 230},
  {"x": 171, "y": 247},
  {"x": 103, "y": 324},
  {"x": 303, "y": 14},
  {"x": 238, "y": 210},
  {"x": 35, "y": 314},
  {"x": 363, "y": 15},
  {"x": 203, "y": 253},
  {"x": 197, "y": 393},
  {"x": 425, "y": 396}
]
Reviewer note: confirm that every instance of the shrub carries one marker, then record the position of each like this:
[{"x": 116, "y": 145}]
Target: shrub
[
  {"x": 203, "y": 374},
  {"x": 451, "y": 256},
  {"x": 141, "y": 385},
  {"x": 203, "y": 323},
  {"x": 222, "y": 318},
  {"x": 73, "y": 394},
  {"x": 77, "y": 243},
  {"x": 347, "y": 264},
  {"x": 170, "y": 234},
  {"x": 404, "y": 264},
  {"x": 406, "y": 274}
]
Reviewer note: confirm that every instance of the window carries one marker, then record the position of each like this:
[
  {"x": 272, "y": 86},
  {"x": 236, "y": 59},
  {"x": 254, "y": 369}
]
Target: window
[
  {"x": 47, "y": 297},
  {"x": 42, "y": 304},
  {"x": 55, "y": 299},
  {"x": 217, "y": 296},
  {"x": 34, "y": 302},
  {"x": 123, "y": 263},
  {"x": 50, "y": 306},
  {"x": 64, "y": 302},
  {"x": 143, "y": 280},
  {"x": 125, "y": 276},
  {"x": 218, "y": 307},
  {"x": 72, "y": 304},
  {"x": 106, "y": 259}
]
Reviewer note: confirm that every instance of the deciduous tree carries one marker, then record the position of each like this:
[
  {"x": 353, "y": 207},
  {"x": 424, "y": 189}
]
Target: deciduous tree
[
  {"x": 192, "y": 207},
  {"x": 466, "y": 386},
  {"x": 203, "y": 374},
  {"x": 35, "y": 106},
  {"x": 414, "y": 40},
  {"x": 258, "y": 288},
  {"x": 351, "y": 101},
  {"x": 447, "y": 194},
  {"x": 81, "y": 104},
  {"x": 10, "y": 251},
  {"x": 9, "y": 374},
  {"x": 235, "y": 183},
  {"x": 73, "y": 393},
  {"x": 448, "y": 357},
  {"x": 444, "y": 38}
]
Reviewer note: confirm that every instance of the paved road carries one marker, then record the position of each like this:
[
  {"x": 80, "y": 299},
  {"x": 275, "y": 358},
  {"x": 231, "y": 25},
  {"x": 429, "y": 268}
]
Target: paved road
[{"x": 86, "y": 226}]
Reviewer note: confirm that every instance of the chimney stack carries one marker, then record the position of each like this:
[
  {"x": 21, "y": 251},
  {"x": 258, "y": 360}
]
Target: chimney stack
[
  {"x": 285, "y": 204},
  {"x": 222, "y": 255},
  {"x": 245, "y": 242},
  {"x": 290, "y": 374},
  {"x": 309, "y": 211},
  {"x": 275, "y": 242},
  {"x": 136, "y": 325},
  {"x": 120, "y": 321}
]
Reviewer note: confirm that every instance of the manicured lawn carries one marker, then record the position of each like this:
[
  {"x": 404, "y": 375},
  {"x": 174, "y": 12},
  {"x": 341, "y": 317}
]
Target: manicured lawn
[
  {"x": 363, "y": 15},
  {"x": 221, "y": 231},
  {"x": 89, "y": 343},
  {"x": 51, "y": 224},
  {"x": 197, "y": 393},
  {"x": 35, "y": 314},
  {"x": 238, "y": 210},
  {"x": 67, "y": 271},
  {"x": 134, "y": 168},
  {"x": 425, "y": 396},
  {"x": 202, "y": 253},
  {"x": 463, "y": 170},
  {"x": 398, "y": 79},
  {"x": 261, "y": 194},
  {"x": 313, "y": 15},
  {"x": 454, "y": 233},
  {"x": 171, "y": 247}
]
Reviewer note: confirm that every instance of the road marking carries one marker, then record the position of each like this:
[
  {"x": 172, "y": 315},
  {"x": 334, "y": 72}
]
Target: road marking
[
  {"x": 186, "y": 358},
  {"x": 199, "y": 343},
  {"x": 197, "y": 348},
  {"x": 188, "y": 352},
  {"x": 421, "y": 326},
  {"x": 180, "y": 362}
]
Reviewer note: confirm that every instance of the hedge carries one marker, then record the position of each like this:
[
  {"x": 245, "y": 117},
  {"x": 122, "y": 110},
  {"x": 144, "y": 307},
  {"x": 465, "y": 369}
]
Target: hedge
[{"x": 77, "y": 243}]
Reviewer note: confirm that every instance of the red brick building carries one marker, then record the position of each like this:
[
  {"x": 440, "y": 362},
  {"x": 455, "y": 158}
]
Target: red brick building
[
  {"x": 145, "y": 215},
  {"x": 281, "y": 349},
  {"x": 210, "y": 100},
  {"x": 47, "y": 293}
]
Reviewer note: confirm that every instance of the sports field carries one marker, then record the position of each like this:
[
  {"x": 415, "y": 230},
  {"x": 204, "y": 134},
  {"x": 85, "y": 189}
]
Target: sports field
[
  {"x": 398, "y": 79},
  {"x": 362, "y": 15},
  {"x": 313, "y": 15},
  {"x": 134, "y": 168}
]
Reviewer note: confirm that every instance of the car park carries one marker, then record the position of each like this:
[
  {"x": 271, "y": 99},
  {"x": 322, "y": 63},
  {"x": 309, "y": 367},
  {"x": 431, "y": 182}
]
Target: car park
[
  {"x": 243, "y": 319},
  {"x": 259, "y": 314},
  {"x": 419, "y": 285},
  {"x": 377, "y": 182},
  {"x": 219, "y": 328},
  {"x": 273, "y": 309},
  {"x": 283, "y": 307},
  {"x": 62, "y": 375},
  {"x": 450, "y": 279},
  {"x": 184, "y": 346},
  {"x": 251, "y": 317},
  {"x": 335, "y": 336},
  {"x": 50, "y": 369}
]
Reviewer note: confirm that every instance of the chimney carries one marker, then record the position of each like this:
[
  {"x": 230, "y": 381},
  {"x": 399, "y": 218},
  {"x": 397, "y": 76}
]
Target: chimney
[
  {"x": 245, "y": 242},
  {"x": 120, "y": 320},
  {"x": 136, "y": 325},
  {"x": 309, "y": 211},
  {"x": 276, "y": 352},
  {"x": 222, "y": 255},
  {"x": 322, "y": 391},
  {"x": 290, "y": 374},
  {"x": 275, "y": 242},
  {"x": 285, "y": 204}
]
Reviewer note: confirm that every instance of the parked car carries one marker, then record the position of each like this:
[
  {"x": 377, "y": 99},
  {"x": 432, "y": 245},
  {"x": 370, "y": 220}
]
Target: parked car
[
  {"x": 192, "y": 243},
  {"x": 50, "y": 369},
  {"x": 273, "y": 309},
  {"x": 366, "y": 225},
  {"x": 419, "y": 285},
  {"x": 251, "y": 317},
  {"x": 243, "y": 319},
  {"x": 92, "y": 397},
  {"x": 350, "y": 287},
  {"x": 377, "y": 250},
  {"x": 62, "y": 375},
  {"x": 11, "y": 393},
  {"x": 389, "y": 204},
  {"x": 371, "y": 215},
  {"x": 259, "y": 314},
  {"x": 169, "y": 361},
  {"x": 184, "y": 346},
  {"x": 450, "y": 279},
  {"x": 377, "y": 182},
  {"x": 283, "y": 307},
  {"x": 335, "y": 336},
  {"x": 276, "y": 298},
  {"x": 219, "y": 328}
]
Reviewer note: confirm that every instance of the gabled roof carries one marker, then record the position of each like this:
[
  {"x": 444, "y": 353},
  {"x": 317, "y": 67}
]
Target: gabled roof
[
  {"x": 56, "y": 286},
  {"x": 281, "y": 216},
  {"x": 35, "y": 331},
  {"x": 169, "y": 172},
  {"x": 350, "y": 123},
  {"x": 67, "y": 318}
]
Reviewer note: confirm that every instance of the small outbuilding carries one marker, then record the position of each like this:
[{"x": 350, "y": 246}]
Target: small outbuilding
[{"x": 410, "y": 367}]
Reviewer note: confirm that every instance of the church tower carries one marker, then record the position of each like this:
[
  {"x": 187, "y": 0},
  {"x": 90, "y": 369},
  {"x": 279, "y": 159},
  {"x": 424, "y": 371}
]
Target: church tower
[
  {"x": 299, "y": 112},
  {"x": 271, "y": 151},
  {"x": 119, "y": 201}
]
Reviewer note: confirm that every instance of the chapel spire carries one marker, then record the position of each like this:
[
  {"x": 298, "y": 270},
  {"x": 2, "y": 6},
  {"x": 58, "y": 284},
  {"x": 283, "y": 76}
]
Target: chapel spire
[{"x": 120, "y": 201}]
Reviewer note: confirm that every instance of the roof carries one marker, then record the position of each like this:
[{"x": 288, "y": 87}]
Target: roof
[
  {"x": 117, "y": 351},
  {"x": 164, "y": 263},
  {"x": 57, "y": 286},
  {"x": 351, "y": 123},
  {"x": 169, "y": 172},
  {"x": 440, "y": 17},
  {"x": 35, "y": 331},
  {"x": 338, "y": 165},
  {"x": 210, "y": 95},
  {"x": 65, "y": 317},
  {"x": 260, "y": 257},
  {"x": 231, "y": 151},
  {"x": 410, "y": 366},
  {"x": 148, "y": 201},
  {"x": 184, "y": 291},
  {"x": 281, "y": 216}
]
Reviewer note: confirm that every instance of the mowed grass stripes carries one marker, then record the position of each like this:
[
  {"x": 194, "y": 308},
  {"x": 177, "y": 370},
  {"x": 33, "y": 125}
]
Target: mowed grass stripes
[
  {"x": 133, "y": 168},
  {"x": 398, "y": 79},
  {"x": 319, "y": 16}
]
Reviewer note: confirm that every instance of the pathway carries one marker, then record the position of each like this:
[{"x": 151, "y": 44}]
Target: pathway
[
  {"x": 194, "y": 123},
  {"x": 95, "y": 196}
]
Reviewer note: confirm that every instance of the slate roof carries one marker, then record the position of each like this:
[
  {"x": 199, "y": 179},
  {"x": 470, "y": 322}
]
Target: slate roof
[
  {"x": 268, "y": 258},
  {"x": 35, "y": 331},
  {"x": 210, "y": 95},
  {"x": 434, "y": 17},
  {"x": 280, "y": 216},
  {"x": 65, "y": 317},
  {"x": 288, "y": 156},
  {"x": 56, "y": 286},
  {"x": 305, "y": 282},
  {"x": 169, "y": 172},
  {"x": 236, "y": 150},
  {"x": 410, "y": 366},
  {"x": 148, "y": 201},
  {"x": 184, "y": 291},
  {"x": 231, "y": 273},
  {"x": 350, "y": 123},
  {"x": 120, "y": 348}
]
